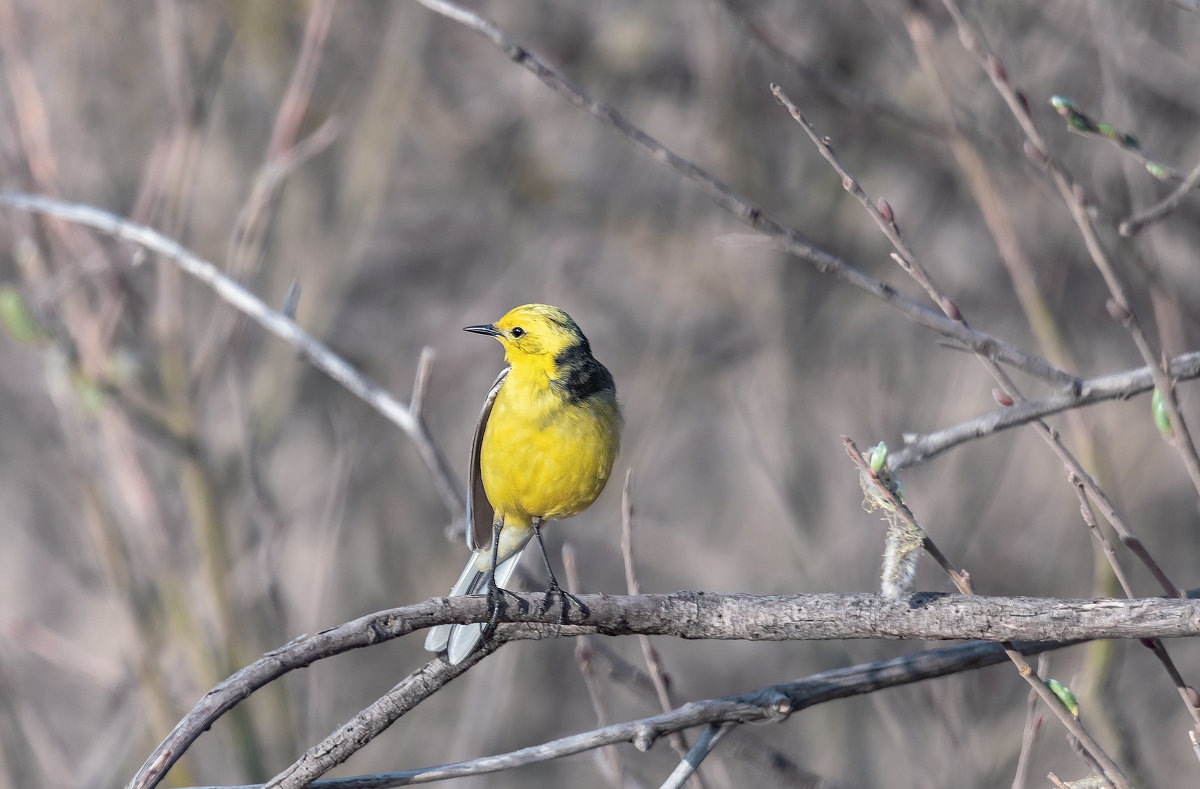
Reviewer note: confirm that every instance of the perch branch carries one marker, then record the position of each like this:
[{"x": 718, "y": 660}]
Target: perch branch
[
  {"x": 769, "y": 704},
  {"x": 696, "y": 615}
]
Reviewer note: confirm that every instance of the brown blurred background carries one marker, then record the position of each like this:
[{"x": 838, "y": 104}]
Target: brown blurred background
[{"x": 181, "y": 493}]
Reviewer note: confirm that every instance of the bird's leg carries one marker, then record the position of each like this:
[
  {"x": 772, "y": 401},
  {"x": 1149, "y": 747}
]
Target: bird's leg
[
  {"x": 495, "y": 595},
  {"x": 553, "y": 589}
]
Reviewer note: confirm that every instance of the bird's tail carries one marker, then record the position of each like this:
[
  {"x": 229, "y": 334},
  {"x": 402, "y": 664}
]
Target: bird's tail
[{"x": 458, "y": 641}]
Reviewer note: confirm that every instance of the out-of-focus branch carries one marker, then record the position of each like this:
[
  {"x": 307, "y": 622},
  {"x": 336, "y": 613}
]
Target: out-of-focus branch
[
  {"x": 1075, "y": 198},
  {"x": 1162, "y": 208},
  {"x": 284, "y": 154},
  {"x": 907, "y": 261},
  {"x": 744, "y": 211},
  {"x": 849, "y": 93},
  {"x": 1115, "y": 386},
  {"x": 654, "y": 666},
  {"x": 612, "y": 766},
  {"x": 254, "y": 308}
]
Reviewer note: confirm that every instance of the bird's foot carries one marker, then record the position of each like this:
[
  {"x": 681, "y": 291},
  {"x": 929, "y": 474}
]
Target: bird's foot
[
  {"x": 497, "y": 604},
  {"x": 565, "y": 601}
]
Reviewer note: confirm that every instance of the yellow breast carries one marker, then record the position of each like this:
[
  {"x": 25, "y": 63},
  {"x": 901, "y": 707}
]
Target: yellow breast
[{"x": 543, "y": 455}]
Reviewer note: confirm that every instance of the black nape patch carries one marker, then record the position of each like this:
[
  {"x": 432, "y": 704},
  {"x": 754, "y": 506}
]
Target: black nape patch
[{"x": 580, "y": 375}]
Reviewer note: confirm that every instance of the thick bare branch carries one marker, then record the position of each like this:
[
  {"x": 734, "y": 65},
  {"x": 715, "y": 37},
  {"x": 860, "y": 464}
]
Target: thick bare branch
[
  {"x": 696, "y": 615},
  {"x": 769, "y": 704}
]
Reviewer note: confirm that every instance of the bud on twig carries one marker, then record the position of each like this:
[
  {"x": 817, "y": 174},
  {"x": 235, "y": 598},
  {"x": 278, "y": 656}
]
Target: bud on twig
[
  {"x": 1119, "y": 312},
  {"x": 1023, "y": 101},
  {"x": 998, "y": 70},
  {"x": 1036, "y": 154},
  {"x": 1080, "y": 195}
]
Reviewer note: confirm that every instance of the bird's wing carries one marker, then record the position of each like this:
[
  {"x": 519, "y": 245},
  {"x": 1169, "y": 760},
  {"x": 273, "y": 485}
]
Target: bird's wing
[{"x": 479, "y": 510}]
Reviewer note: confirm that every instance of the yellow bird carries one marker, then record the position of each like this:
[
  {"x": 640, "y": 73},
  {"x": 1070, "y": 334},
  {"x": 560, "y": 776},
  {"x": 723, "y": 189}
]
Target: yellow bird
[{"x": 543, "y": 449}]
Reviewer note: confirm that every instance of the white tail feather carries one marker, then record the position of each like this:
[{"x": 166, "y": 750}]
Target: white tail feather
[
  {"x": 439, "y": 635},
  {"x": 460, "y": 640}
]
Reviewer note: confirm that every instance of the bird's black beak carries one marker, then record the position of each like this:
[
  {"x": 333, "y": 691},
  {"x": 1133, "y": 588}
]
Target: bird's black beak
[{"x": 488, "y": 329}]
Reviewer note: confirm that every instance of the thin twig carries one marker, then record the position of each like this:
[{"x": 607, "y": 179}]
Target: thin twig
[
  {"x": 369, "y": 723},
  {"x": 905, "y": 257},
  {"x": 1136, "y": 222},
  {"x": 997, "y": 74},
  {"x": 284, "y": 155},
  {"x": 1085, "y": 511},
  {"x": 907, "y": 260},
  {"x": 254, "y": 308},
  {"x": 748, "y": 213},
  {"x": 1074, "y": 196},
  {"x": 608, "y": 757},
  {"x": 962, "y": 580},
  {"x": 746, "y": 748},
  {"x": 705, "y": 744},
  {"x": 1102, "y": 388},
  {"x": 850, "y": 94},
  {"x": 1079, "y": 122},
  {"x": 653, "y": 664},
  {"x": 421, "y": 382},
  {"x": 1033, "y": 724}
]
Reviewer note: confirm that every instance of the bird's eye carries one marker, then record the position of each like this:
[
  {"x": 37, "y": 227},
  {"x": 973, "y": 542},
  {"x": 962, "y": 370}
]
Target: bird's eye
[{"x": 518, "y": 331}]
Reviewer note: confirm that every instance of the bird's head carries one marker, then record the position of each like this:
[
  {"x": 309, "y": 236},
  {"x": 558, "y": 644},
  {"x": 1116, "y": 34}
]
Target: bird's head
[{"x": 535, "y": 332}]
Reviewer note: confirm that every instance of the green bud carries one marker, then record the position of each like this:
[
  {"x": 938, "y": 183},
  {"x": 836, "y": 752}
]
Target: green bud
[
  {"x": 91, "y": 397},
  {"x": 1162, "y": 420},
  {"x": 878, "y": 456},
  {"x": 1062, "y": 104},
  {"x": 1106, "y": 130},
  {"x": 1157, "y": 170},
  {"x": 15, "y": 315},
  {"x": 1064, "y": 695}
]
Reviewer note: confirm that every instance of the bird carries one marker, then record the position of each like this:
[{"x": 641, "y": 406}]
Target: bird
[{"x": 543, "y": 449}]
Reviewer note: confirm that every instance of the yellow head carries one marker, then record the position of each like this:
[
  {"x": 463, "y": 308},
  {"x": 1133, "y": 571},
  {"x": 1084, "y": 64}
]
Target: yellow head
[{"x": 536, "y": 334}]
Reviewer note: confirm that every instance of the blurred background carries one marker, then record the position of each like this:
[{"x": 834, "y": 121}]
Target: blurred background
[{"x": 181, "y": 492}]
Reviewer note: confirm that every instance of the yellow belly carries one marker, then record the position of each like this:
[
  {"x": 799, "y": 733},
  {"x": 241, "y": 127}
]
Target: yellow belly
[{"x": 545, "y": 457}]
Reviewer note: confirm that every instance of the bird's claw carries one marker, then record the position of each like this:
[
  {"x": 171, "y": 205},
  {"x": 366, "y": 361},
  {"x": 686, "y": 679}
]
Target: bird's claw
[
  {"x": 565, "y": 601},
  {"x": 497, "y": 604}
]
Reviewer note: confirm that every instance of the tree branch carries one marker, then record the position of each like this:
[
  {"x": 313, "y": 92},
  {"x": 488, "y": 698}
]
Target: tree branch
[
  {"x": 1116, "y": 386},
  {"x": 746, "y": 212},
  {"x": 272, "y": 320},
  {"x": 769, "y": 704},
  {"x": 1162, "y": 208},
  {"x": 697, "y": 615},
  {"x": 1075, "y": 198}
]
